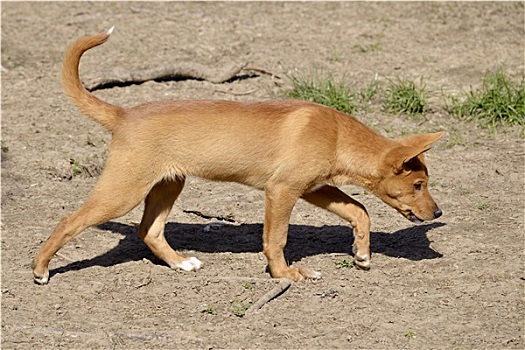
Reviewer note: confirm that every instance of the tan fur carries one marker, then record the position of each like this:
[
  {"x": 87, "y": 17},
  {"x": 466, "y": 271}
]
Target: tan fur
[{"x": 291, "y": 149}]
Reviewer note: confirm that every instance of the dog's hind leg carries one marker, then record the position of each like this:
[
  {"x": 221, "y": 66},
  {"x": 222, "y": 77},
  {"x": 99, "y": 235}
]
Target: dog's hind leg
[
  {"x": 118, "y": 191},
  {"x": 336, "y": 201},
  {"x": 158, "y": 205}
]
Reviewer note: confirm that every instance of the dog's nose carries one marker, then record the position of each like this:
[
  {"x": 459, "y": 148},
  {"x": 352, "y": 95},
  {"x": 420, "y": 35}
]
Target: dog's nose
[{"x": 437, "y": 213}]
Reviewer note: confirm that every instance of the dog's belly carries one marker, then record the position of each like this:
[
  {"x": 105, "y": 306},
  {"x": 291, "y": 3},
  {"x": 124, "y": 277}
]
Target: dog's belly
[{"x": 232, "y": 167}]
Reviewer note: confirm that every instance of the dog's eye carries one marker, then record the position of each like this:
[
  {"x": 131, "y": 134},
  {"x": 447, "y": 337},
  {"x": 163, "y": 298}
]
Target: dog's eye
[{"x": 417, "y": 186}]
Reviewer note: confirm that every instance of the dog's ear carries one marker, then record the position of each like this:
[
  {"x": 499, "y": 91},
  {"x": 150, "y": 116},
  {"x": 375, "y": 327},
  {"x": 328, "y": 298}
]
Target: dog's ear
[
  {"x": 409, "y": 156},
  {"x": 423, "y": 140},
  {"x": 405, "y": 158}
]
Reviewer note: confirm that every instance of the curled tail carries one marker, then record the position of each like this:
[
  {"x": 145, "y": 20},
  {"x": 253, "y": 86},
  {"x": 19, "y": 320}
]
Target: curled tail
[{"x": 104, "y": 113}]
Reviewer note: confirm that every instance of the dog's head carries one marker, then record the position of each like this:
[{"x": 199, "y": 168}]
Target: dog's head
[{"x": 404, "y": 178}]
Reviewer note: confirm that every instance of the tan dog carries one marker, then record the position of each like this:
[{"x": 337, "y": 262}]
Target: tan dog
[{"x": 291, "y": 149}]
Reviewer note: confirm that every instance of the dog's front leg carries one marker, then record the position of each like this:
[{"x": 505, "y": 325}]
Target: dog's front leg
[
  {"x": 336, "y": 201},
  {"x": 279, "y": 203}
]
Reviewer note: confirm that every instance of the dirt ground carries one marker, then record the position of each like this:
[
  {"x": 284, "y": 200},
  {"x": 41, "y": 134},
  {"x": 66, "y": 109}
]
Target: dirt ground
[{"x": 455, "y": 283}]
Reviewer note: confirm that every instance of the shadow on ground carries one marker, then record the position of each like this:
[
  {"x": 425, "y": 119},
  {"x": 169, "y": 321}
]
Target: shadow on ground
[{"x": 303, "y": 241}]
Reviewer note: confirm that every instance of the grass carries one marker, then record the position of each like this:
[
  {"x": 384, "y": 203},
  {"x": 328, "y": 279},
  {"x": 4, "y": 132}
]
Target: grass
[
  {"x": 89, "y": 168},
  {"x": 322, "y": 89},
  {"x": 239, "y": 309},
  {"x": 499, "y": 101},
  {"x": 405, "y": 96},
  {"x": 410, "y": 334},
  {"x": 344, "y": 264},
  {"x": 210, "y": 310},
  {"x": 76, "y": 168},
  {"x": 247, "y": 286},
  {"x": 367, "y": 94},
  {"x": 402, "y": 95},
  {"x": 4, "y": 147},
  {"x": 481, "y": 206}
]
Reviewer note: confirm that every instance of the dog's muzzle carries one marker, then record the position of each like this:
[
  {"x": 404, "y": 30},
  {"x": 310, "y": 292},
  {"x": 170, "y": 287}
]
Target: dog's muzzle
[{"x": 412, "y": 217}]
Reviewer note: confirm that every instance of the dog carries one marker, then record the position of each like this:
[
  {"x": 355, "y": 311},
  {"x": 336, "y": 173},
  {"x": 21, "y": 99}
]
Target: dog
[{"x": 288, "y": 148}]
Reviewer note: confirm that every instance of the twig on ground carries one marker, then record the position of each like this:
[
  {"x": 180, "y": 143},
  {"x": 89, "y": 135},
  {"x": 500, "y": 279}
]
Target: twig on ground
[
  {"x": 147, "y": 281},
  {"x": 217, "y": 279},
  {"x": 263, "y": 71},
  {"x": 64, "y": 257},
  {"x": 208, "y": 215},
  {"x": 283, "y": 285}
]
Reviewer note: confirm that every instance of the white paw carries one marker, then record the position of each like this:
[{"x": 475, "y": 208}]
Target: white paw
[
  {"x": 43, "y": 279},
  {"x": 309, "y": 273},
  {"x": 190, "y": 264},
  {"x": 317, "y": 275},
  {"x": 362, "y": 261}
]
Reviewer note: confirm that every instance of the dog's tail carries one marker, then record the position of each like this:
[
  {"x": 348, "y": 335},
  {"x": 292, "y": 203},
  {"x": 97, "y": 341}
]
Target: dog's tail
[{"x": 102, "y": 112}]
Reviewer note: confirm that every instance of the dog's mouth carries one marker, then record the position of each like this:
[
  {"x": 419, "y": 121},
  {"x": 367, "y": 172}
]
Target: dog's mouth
[{"x": 412, "y": 217}]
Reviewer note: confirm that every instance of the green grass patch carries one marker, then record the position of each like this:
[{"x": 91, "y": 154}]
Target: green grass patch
[
  {"x": 76, "y": 168},
  {"x": 90, "y": 167},
  {"x": 4, "y": 147},
  {"x": 481, "y": 206},
  {"x": 344, "y": 264},
  {"x": 322, "y": 89},
  {"x": 410, "y": 335},
  {"x": 499, "y": 101},
  {"x": 405, "y": 96},
  {"x": 210, "y": 310},
  {"x": 239, "y": 309},
  {"x": 369, "y": 92},
  {"x": 247, "y": 286},
  {"x": 402, "y": 95}
]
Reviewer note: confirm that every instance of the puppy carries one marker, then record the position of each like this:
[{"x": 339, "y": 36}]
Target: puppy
[{"x": 290, "y": 149}]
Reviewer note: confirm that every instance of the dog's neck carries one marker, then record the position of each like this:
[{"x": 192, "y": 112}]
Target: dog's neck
[
  {"x": 353, "y": 170},
  {"x": 360, "y": 154}
]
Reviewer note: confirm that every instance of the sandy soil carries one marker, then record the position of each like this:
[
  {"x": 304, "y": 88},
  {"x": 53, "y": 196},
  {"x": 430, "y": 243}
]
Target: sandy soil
[{"x": 456, "y": 283}]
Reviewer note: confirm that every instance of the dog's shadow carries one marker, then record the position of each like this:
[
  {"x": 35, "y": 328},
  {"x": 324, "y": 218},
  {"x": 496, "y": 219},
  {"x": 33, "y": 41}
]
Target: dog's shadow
[{"x": 303, "y": 241}]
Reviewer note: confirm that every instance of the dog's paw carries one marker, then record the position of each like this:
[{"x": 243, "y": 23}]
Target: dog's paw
[
  {"x": 310, "y": 274},
  {"x": 190, "y": 264},
  {"x": 362, "y": 261},
  {"x": 297, "y": 274},
  {"x": 41, "y": 278}
]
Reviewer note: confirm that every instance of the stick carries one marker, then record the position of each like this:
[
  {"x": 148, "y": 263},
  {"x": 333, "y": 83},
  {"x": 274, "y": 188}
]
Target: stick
[
  {"x": 207, "y": 216},
  {"x": 273, "y": 293},
  {"x": 182, "y": 70},
  {"x": 216, "y": 279},
  {"x": 64, "y": 257},
  {"x": 263, "y": 71}
]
